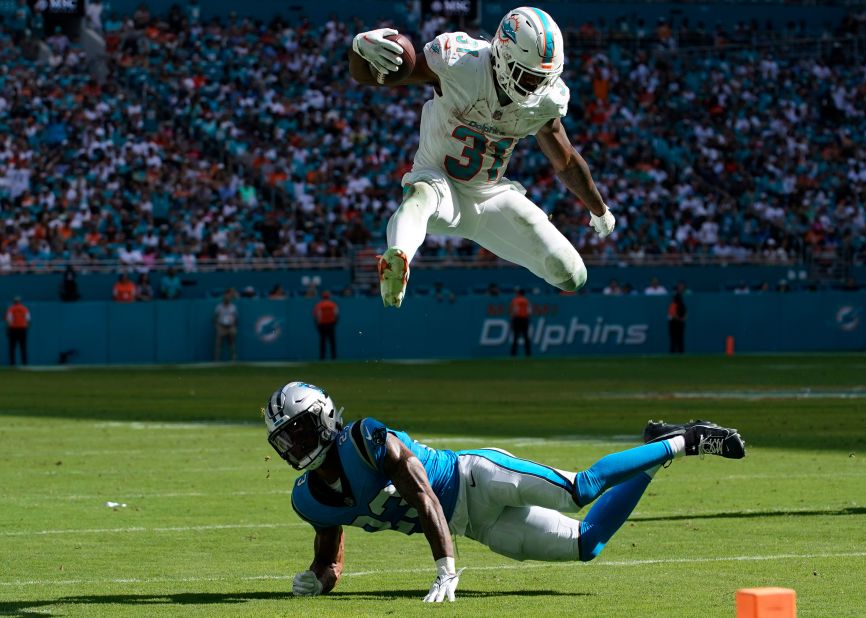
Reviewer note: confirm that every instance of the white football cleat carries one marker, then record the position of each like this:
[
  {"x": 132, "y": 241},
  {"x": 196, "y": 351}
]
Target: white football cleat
[{"x": 393, "y": 277}]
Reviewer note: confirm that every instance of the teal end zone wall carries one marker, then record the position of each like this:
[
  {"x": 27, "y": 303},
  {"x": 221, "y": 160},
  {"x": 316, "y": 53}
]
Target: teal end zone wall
[{"x": 471, "y": 327}]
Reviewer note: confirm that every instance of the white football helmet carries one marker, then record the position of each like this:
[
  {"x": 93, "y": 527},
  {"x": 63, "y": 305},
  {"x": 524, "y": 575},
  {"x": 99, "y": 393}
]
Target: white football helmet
[
  {"x": 302, "y": 424},
  {"x": 527, "y": 53}
]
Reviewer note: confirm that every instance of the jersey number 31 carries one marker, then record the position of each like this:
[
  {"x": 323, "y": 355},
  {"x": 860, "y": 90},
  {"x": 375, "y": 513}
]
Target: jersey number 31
[{"x": 472, "y": 158}]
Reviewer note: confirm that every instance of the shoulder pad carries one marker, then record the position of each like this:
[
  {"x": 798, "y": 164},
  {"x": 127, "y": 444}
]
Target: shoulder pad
[{"x": 368, "y": 437}]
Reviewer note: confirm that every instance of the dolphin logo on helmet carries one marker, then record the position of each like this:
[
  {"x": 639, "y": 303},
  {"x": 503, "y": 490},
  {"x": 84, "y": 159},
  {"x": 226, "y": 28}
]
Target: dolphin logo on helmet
[{"x": 527, "y": 54}]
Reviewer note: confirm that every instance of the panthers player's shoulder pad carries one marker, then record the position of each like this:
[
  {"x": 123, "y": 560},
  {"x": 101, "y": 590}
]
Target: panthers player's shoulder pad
[{"x": 368, "y": 437}]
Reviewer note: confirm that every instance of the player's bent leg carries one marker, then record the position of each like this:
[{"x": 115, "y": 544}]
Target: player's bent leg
[
  {"x": 565, "y": 261},
  {"x": 427, "y": 200},
  {"x": 617, "y": 468},
  {"x": 609, "y": 514},
  {"x": 534, "y": 533},
  {"x": 407, "y": 227},
  {"x": 515, "y": 229}
]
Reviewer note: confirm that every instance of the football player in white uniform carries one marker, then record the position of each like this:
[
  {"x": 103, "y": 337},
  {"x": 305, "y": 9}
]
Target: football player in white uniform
[{"x": 487, "y": 97}]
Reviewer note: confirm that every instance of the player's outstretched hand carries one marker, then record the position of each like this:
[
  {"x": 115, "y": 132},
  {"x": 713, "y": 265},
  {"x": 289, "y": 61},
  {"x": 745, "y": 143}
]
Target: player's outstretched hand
[
  {"x": 604, "y": 224},
  {"x": 445, "y": 583},
  {"x": 306, "y": 584},
  {"x": 373, "y": 47}
]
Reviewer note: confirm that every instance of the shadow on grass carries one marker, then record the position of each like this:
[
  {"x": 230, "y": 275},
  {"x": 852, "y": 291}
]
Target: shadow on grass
[
  {"x": 32, "y": 608},
  {"x": 759, "y": 514},
  {"x": 382, "y": 595}
]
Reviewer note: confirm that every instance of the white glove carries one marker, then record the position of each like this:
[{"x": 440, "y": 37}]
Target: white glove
[
  {"x": 604, "y": 224},
  {"x": 306, "y": 584},
  {"x": 445, "y": 583},
  {"x": 373, "y": 47}
]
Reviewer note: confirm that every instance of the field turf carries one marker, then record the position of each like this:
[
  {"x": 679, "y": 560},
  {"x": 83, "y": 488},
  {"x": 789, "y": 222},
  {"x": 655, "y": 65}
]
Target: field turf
[{"x": 207, "y": 528}]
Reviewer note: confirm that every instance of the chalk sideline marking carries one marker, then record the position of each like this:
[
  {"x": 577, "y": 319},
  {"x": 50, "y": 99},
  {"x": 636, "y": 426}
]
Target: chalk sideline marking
[{"x": 503, "y": 567}]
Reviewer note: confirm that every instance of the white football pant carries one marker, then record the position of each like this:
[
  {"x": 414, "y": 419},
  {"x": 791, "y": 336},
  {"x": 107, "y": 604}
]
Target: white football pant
[
  {"x": 499, "y": 218},
  {"x": 516, "y": 513}
]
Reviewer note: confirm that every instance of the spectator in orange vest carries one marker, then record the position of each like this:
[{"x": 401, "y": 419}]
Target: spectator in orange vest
[
  {"x": 17, "y": 323},
  {"x": 124, "y": 289},
  {"x": 677, "y": 314},
  {"x": 325, "y": 313},
  {"x": 521, "y": 309}
]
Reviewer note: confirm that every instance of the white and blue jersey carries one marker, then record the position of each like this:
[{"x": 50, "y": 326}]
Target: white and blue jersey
[{"x": 368, "y": 499}]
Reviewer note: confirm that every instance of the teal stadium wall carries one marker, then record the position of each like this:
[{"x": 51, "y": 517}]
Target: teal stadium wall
[
  {"x": 471, "y": 327},
  {"x": 703, "y": 278}
]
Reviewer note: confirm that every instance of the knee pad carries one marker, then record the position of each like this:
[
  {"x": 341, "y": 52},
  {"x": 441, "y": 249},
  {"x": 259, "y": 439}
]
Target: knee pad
[
  {"x": 421, "y": 195},
  {"x": 420, "y": 202},
  {"x": 565, "y": 269}
]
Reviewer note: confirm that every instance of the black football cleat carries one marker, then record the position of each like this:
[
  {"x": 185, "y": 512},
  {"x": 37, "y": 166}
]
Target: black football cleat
[
  {"x": 701, "y": 437},
  {"x": 660, "y": 430}
]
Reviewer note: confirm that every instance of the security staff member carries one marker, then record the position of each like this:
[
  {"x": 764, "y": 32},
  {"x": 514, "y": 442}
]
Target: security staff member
[
  {"x": 521, "y": 309},
  {"x": 677, "y": 314},
  {"x": 325, "y": 314},
  {"x": 17, "y": 323}
]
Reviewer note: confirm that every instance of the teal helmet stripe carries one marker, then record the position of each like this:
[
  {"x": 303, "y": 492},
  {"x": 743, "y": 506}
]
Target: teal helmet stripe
[{"x": 548, "y": 35}]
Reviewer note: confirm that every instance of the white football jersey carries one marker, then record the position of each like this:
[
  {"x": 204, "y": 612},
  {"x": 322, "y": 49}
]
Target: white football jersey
[{"x": 465, "y": 132}]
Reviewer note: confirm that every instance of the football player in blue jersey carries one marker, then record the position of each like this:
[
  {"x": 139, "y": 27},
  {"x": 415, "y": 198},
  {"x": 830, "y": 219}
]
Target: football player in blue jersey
[{"x": 368, "y": 475}]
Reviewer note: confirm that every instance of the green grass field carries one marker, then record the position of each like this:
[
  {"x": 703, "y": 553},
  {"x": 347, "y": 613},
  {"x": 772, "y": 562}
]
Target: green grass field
[{"x": 208, "y": 528}]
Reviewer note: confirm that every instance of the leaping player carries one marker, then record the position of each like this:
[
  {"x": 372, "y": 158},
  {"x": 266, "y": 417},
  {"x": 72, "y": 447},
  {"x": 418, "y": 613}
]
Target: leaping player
[{"x": 487, "y": 97}]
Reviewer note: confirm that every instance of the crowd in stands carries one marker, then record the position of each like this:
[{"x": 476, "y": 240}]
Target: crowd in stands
[{"x": 234, "y": 140}]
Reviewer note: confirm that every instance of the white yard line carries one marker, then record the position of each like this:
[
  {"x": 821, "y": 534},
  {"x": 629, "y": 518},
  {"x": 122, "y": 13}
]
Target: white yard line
[
  {"x": 426, "y": 569},
  {"x": 736, "y": 395},
  {"x": 202, "y": 528},
  {"x": 133, "y": 496},
  {"x": 137, "y": 529},
  {"x": 138, "y": 496}
]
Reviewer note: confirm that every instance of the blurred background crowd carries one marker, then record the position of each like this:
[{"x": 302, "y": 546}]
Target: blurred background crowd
[{"x": 241, "y": 141}]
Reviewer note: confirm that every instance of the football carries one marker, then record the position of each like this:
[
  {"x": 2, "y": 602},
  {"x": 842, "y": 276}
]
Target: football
[{"x": 405, "y": 69}]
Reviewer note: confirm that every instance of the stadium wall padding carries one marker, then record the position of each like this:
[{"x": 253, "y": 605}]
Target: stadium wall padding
[
  {"x": 471, "y": 327},
  {"x": 711, "y": 278}
]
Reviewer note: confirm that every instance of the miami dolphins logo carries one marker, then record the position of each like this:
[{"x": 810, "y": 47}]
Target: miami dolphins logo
[
  {"x": 847, "y": 318},
  {"x": 509, "y": 28},
  {"x": 268, "y": 329}
]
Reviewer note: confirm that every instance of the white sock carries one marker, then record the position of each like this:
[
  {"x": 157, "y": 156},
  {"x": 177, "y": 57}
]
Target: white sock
[{"x": 677, "y": 445}]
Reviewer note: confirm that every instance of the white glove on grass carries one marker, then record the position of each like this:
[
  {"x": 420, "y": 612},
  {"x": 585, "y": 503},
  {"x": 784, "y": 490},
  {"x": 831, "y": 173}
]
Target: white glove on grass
[
  {"x": 446, "y": 581},
  {"x": 306, "y": 584}
]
